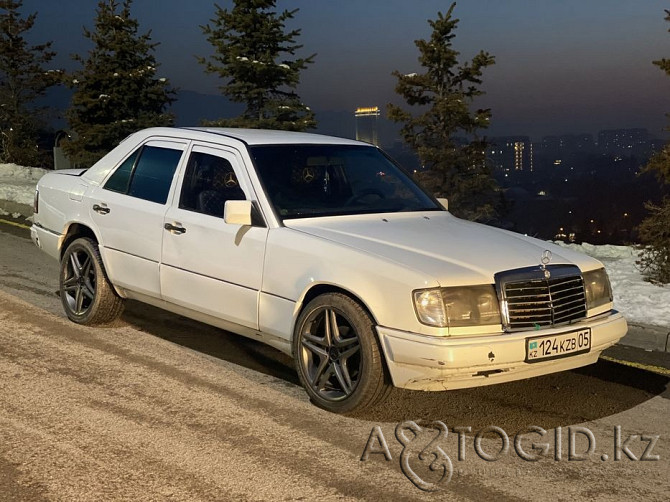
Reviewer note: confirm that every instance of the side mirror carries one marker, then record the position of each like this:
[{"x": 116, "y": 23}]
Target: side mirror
[
  {"x": 444, "y": 203},
  {"x": 237, "y": 212}
]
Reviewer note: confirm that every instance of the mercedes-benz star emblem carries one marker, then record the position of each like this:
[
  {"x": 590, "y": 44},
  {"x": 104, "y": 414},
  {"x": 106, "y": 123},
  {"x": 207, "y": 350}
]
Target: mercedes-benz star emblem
[
  {"x": 230, "y": 180},
  {"x": 546, "y": 258},
  {"x": 307, "y": 175}
]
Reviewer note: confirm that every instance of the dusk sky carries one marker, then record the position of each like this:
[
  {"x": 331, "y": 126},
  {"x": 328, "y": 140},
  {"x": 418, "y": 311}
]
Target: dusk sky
[{"x": 565, "y": 66}]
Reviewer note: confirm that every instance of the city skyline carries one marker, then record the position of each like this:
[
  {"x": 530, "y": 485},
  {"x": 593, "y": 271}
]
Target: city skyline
[{"x": 560, "y": 66}]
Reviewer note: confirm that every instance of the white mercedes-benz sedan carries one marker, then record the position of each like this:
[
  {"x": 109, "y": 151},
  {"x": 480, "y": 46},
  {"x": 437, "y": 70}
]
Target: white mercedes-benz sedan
[{"x": 325, "y": 249}]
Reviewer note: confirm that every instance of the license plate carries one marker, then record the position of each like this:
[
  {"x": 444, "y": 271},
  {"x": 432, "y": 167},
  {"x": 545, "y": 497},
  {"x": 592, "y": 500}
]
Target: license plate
[{"x": 542, "y": 348}]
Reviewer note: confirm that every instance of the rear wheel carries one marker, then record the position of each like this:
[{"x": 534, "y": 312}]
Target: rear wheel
[
  {"x": 337, "y": 355},
  {"x": 86, "y": 294}
]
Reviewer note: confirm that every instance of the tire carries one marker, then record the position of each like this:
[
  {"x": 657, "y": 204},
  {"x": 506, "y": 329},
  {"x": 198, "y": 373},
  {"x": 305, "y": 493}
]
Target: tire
[
  {"x": 85, "y": 292},
  {"x": 337, "y": 355}
]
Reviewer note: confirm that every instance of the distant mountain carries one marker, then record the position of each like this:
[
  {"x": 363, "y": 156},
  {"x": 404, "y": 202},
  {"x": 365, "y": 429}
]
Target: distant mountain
[{"x": 191, "y": 107}]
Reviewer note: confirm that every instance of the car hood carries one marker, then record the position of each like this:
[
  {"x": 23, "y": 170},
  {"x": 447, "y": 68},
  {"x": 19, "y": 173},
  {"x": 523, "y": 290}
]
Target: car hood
[{"x": 436, "y": 243}]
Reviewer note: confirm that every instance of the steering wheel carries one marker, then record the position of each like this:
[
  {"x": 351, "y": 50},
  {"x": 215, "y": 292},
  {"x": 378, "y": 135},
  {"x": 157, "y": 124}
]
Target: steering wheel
[{"x": 364, "y": 193}]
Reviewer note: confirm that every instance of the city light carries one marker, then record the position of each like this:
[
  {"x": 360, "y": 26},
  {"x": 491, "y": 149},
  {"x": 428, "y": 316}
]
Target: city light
[
  {"x": 366, "y": 124},
  {"x": 370, "y": 111}
]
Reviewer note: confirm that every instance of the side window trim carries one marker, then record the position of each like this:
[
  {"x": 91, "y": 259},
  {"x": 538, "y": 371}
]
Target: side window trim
[
  {"x": 139, "y": 151},
  {"x": 175, "y": 190}
]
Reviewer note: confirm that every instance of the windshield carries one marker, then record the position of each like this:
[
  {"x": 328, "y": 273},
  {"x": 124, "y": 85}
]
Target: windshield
[{"x": 328, "y": 180}]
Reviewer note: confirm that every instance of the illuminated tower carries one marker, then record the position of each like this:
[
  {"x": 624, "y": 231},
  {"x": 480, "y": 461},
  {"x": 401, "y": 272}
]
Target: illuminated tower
[
  {"x": 518, "y": 155},
  {"x": 366, "y": 124},
  {"x": 511, "y": 153}
]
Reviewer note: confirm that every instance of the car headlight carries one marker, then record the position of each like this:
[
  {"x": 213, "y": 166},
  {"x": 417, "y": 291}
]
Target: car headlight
[
  {"x": 458, "y": 306},
  {"x": 597, "y": 287}
]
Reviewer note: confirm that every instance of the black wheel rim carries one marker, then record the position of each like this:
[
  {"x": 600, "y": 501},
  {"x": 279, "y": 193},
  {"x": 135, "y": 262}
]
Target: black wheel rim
[
  {"x": 330, "y": 354},
  {"x": 79, "y": 283}
]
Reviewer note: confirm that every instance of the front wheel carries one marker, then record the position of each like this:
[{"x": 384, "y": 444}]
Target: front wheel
[
  {"x": 337, "y": 355},
  {"x": 86, "y": 294}
]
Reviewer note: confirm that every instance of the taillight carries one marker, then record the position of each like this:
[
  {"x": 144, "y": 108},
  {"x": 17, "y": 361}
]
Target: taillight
[{"x": 36, "y": 202}]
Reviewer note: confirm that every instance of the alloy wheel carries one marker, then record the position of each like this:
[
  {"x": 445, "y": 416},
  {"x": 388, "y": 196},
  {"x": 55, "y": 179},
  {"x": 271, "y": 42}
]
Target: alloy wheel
[
  {"x": 330, "y": 354},
  {"x": 79, "y": 284}
]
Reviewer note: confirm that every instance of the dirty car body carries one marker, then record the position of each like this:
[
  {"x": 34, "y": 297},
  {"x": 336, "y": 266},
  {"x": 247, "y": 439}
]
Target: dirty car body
[{"x": 325, "y": 249}]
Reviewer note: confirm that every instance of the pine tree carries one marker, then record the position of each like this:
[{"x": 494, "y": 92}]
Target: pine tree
[
  {"x": 117, "y": 91},
  {"x": 654, "y": 231},
  {"x": 23, "y": 79},
  {"x": 253, "y": 54},
  {"x": 453, "y": 167}
]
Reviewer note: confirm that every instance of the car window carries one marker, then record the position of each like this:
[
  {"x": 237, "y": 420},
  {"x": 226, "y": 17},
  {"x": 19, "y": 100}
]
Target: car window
[
  {"x": 147, "y": 174},
  {"x": 329, "y": 180},
  {"x": 209, "y": 181},
  {"x": 118, "y": 182},
  {"x": 153, "y": 173}
]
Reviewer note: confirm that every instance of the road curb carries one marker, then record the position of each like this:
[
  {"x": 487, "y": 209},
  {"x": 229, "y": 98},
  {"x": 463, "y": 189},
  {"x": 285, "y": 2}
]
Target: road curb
[
  {"x": 16, "y": 207},
  {"x": 647, "y": 337}
]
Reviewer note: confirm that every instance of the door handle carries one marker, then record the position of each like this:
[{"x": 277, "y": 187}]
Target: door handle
[
  {"x": 100, "y": 209},
  {"x": 175, "y": 229}
]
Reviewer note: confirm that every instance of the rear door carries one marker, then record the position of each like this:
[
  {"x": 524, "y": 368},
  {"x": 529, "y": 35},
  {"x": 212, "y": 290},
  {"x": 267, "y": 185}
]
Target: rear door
[
  {"x": 128, "y": 210},
  {"x": 209, "y": 265}
]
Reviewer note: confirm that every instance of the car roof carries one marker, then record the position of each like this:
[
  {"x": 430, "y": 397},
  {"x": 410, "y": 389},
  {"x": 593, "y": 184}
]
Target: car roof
[
  {"x": 274, "y": 137},
  {"x": 251, "y": 137}
]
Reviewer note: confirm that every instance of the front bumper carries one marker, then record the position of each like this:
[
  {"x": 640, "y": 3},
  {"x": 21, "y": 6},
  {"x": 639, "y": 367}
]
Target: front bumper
[{"x": 430, "y": 363}]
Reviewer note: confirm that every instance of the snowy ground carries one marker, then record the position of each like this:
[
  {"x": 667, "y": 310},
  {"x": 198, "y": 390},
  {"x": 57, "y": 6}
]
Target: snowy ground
[
  {"x": 640, "y": 301},
  {"x": 17, "y": 184}
]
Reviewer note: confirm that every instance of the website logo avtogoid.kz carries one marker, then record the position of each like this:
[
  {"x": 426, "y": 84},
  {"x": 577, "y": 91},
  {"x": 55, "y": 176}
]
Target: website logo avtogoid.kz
[{"x": 530, "y": 445}]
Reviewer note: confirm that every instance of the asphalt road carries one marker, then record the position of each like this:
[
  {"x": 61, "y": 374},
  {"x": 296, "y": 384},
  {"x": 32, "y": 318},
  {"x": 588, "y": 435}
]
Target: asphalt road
[{"x": 164, "y": 408}]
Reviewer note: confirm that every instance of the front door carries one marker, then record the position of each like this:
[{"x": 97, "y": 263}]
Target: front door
[{"x": 208, "y": 265}]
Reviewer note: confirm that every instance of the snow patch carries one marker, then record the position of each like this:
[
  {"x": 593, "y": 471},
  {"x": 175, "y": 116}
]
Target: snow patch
[
  {"x": 606, "y": 251},
  {"x": 17, "y": 184},
  {"x": 639, "y": 301}
]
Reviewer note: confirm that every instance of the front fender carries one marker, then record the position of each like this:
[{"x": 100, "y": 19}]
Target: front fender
[{"x": 296, "y": 263}]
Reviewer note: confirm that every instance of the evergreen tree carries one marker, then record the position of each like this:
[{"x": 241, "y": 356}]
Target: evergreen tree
[
  {"x": 654, "y": 231},
  {"x": 453, "y": 167},
  {"x": 23, "y": 79},
  {"x": 117, "y": 91},
  {"x": 253, "y": 54}
]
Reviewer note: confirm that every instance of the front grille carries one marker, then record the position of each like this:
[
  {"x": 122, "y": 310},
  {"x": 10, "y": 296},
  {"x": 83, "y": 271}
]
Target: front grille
[{"x": 533, "y": 301}]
